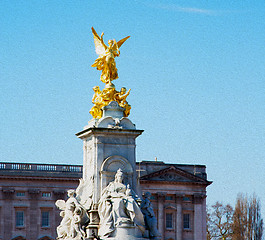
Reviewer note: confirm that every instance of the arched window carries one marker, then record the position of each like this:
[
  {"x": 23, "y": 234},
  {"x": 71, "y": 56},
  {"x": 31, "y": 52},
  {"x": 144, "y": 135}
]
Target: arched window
[
  {"x": 19, "y": 238},
  {"x": 45, "y": 238}
]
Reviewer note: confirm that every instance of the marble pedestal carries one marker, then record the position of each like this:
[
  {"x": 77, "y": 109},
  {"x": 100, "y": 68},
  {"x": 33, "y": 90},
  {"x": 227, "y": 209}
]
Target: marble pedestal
[
  {"x": 109, "y": 145},
  {"x": 126, "y": 232}
]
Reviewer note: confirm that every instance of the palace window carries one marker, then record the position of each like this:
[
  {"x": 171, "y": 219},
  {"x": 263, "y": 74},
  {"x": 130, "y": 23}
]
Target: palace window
[
  {"x": 20, "y": 194},
  {"x": 187, "y": 199},
  {"x": 169, "y": 220},
  {"x": 45, "y": 218},
  {"x": 186, "y": 221},
  {"x": 46, "y": 194},
  {"x": 19, "y": 238},
  {"x": 169, "y": 197},
  {"x": 19, "y": 218}
]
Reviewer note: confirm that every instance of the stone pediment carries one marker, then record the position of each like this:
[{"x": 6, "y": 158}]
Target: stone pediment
[{"x": 174, "y": 175}]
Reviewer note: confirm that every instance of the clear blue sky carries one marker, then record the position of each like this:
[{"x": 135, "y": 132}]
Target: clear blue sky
[{"x": 196, "y": 70}]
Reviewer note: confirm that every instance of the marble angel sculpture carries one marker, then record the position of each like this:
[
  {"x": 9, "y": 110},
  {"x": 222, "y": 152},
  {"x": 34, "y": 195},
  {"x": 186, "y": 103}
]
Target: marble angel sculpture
[
  {"x": 74, "y": 220},
  {"x": 149, "y": 217},
  {"x": 118, "y": 205},
  {"x": 106, "y": 60},
  {"x": 84, "y": 192}
]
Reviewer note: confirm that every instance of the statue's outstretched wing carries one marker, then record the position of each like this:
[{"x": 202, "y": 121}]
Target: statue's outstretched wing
[
  {"x": 119, "y": 43},
  {"x": 60, "y": 204},
  {"x": 99, "y": 43}
]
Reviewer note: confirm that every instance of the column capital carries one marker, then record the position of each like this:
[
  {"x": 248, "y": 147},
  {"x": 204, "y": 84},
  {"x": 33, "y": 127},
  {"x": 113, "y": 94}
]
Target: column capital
[
  {"x": 58, "y": 194},
  {"x": 179, "y": 197},
  {"x": 198, "y": 197},
  {"x": 34, "y": 193},
  {"x": 161, "y": 194},
  {"x": 8, "y": 192}
]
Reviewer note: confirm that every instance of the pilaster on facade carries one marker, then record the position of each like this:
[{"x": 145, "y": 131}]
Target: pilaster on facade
[
  {"x": 59, "y": 194},
  {"x": 199, "y": 217},
  {"x": 34, "y": 193},
  {"x": 7, "y": 205},
  {"x": 161, "y": 216},
  {"x": 179, "y": 198}
]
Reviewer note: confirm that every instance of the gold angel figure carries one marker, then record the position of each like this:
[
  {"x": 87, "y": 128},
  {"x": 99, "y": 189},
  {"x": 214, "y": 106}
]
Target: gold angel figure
[{"x": 106, "y": 60}]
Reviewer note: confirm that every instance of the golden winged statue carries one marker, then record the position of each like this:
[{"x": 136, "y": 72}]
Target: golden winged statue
[{"x": 106, "y": 60}]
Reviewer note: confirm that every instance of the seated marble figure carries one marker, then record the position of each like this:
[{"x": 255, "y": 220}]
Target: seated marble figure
[{"x": 119, "y": 206}]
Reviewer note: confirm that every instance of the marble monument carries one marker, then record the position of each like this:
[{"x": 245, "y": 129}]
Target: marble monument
[{"x": 107, "y": 204}]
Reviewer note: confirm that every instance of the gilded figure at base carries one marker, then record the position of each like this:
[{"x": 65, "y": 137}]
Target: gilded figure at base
[
  {"x": 96, "y": 110},
  {"x": 120, "y": 98},
  {"x": 107, "y": 95}
]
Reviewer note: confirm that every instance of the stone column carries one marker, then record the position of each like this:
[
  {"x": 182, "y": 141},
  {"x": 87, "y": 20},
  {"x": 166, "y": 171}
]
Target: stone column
[
  {"x": 160, "y": 216},
  {"x": 198, "y": 217},
  {"x": 179, "y": 224}
]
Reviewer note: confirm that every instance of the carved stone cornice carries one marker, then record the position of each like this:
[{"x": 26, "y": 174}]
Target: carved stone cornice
[
  {"x": 108, "y": 132},
  {"x": 42, "y": 178}
]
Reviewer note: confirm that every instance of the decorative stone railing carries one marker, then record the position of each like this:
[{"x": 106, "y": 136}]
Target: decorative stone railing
[{"x": 41, "y": 167}]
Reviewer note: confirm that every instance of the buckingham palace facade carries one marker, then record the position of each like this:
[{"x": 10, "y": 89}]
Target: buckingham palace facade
[{"x": 29, "y": 191}]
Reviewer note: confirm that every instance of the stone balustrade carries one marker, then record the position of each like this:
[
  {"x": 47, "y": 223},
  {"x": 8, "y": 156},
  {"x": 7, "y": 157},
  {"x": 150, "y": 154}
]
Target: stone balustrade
[{"x": 40, "y": 167}]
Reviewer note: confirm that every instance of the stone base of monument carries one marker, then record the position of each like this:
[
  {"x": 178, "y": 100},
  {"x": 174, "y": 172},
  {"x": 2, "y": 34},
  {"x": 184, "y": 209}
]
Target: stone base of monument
[
  {"x": 112, "y": 118},
  {"x": 91, "y": 231},
  {"x": 126, "y": 231}
]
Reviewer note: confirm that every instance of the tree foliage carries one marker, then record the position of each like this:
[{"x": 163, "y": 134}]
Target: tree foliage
[
  {"x": 243, "y": 223},
  {"x": 247, "y": 220},
  {"x": 219, "y": 222}
]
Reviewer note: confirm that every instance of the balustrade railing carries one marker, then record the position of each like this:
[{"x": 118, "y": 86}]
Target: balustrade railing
[{"x": 40, "y": 167}]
